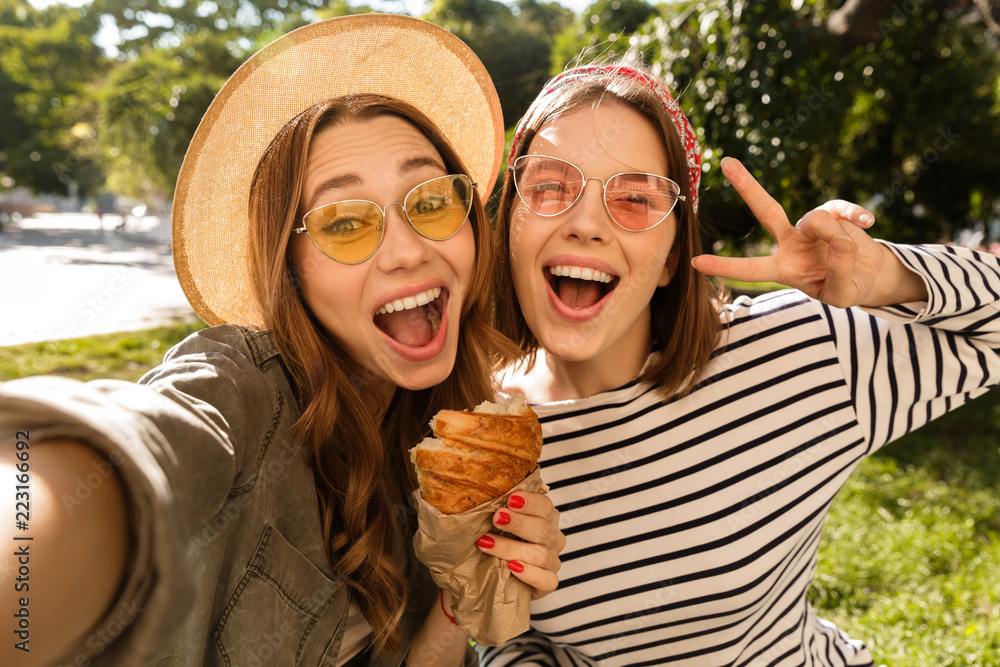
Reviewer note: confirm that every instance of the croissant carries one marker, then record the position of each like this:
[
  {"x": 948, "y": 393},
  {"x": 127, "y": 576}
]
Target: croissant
[{"x": 478, "y": 455}]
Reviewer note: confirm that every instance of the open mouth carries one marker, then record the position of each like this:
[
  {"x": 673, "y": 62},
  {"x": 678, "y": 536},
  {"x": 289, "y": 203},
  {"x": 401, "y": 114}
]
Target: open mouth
[
  {"x": 580, "y": 287},
  {"x": 413, "y": 321}
]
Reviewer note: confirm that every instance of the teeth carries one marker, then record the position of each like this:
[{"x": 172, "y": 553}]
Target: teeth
[
  {"x": 409, "y": 302},
  {"x": 581, "y": 273},
  {"x": 434, "y": 317}
]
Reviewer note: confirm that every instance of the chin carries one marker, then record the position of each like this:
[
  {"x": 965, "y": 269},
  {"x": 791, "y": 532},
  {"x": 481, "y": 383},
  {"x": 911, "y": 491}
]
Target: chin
[{"x": 428, "y": 375}]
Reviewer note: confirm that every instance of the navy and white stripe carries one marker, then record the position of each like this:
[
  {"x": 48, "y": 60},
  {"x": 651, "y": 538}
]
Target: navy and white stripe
[{"x": 693, "y": 526}]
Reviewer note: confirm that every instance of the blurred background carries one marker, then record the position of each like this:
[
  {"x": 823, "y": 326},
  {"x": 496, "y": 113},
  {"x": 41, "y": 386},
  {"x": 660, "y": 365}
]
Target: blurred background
[{"x": 891, "y": 104}]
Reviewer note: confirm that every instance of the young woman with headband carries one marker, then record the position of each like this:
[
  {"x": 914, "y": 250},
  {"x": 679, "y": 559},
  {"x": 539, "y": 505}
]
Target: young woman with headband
[
  {"x": 693, "y": 445},
  {"x": 248, "y": 502}
]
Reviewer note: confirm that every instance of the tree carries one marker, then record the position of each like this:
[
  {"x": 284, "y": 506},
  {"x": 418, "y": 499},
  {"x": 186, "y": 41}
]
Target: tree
[
  {"x": 152, "y": 104},
  {"x": 605, "y": 26},
  {"x": 902, "y": 119},
  {"x": 164, "y": 24},
  {"x": 159, "y": 90},
  {"x": 48, "y": 141},
  {"x": 513, "y": 43}
]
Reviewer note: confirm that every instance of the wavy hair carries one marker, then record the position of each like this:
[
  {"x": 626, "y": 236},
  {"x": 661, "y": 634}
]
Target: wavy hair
[
  {"x": 685, "y": 324},
  {"x": 361, "y": 465}
]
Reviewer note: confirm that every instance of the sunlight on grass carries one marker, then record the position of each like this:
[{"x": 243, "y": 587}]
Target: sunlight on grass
[
  {"x": 123, "y": 356},
  {"x": 910, "y": 557}
]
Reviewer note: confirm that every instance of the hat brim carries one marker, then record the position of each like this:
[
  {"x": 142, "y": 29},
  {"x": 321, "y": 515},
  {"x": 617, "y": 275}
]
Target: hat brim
[{"x": 397, "y": 56}]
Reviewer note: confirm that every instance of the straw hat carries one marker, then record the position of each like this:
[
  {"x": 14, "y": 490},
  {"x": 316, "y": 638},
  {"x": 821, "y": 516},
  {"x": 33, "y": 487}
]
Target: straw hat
[{"x": 396, "y": 56}]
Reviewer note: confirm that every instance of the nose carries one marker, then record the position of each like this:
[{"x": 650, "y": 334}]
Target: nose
[
  {"x": 588, "y": 219},
  {"x": 402, "y": 247}
]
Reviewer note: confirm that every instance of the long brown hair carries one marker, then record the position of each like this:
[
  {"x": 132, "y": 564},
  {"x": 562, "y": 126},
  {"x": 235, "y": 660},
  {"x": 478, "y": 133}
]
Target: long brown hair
[
  {"x": 361, "y": 466},
  {"x": 685, "y": 322}
]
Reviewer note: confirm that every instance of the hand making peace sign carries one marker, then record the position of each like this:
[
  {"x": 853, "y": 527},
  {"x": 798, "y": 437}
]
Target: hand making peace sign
[{"x": 827, "y": 254}]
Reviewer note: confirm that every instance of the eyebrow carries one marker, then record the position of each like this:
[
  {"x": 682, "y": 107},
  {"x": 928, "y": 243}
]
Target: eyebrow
[
  {"x": 334, "y": 183},
  {"x": 346, "y": 180},
  {"x": 413, "y": 164}
]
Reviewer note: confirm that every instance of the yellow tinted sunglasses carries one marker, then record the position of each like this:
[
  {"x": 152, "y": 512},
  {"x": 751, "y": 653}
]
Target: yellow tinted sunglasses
[{"x": 351, "y": 231}]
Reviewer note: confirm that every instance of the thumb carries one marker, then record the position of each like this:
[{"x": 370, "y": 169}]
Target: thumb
[{"x": 838, "y": 287}]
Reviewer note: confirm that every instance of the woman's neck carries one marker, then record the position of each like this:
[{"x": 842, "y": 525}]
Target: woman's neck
[{"x": 552, "y": 378}]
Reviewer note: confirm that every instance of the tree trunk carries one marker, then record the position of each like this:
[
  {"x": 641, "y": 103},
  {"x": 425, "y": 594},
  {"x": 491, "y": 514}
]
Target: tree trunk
[
  {"x": 856, "y": 22},
  {"x": 990, "y": 9}
]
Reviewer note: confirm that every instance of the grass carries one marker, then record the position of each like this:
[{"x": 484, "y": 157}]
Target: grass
[
  {"x": 910, "y": 556},
  {"x": 122, "y": 356}
]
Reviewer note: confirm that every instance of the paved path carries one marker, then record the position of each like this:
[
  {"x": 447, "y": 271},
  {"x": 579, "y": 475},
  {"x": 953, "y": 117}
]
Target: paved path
[{"x": 62, "y": 276}]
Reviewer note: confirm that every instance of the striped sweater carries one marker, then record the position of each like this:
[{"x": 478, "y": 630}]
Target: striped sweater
[{"x": 692, "y": 526}]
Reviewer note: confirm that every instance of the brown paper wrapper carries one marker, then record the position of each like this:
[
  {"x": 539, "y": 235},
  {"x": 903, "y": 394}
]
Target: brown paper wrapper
[{"x": 487, "y": 600}]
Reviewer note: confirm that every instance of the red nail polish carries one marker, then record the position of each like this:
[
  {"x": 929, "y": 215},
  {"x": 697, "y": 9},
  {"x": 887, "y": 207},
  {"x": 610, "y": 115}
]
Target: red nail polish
[
  {"x": 503, "y": 519},
  {"x": 486, "y": 542},
  {"x": 516, "y": 502},
  {"x": 515, "y": 566}
]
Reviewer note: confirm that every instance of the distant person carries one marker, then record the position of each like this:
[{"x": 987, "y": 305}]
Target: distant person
[
  {"x": 247, "y": 503},
  {"x": 693, "y": 445}
]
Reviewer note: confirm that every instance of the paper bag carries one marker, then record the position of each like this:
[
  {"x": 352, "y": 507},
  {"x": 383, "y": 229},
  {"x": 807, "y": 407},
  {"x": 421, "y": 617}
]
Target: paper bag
[{"x": 487, "y": 600}]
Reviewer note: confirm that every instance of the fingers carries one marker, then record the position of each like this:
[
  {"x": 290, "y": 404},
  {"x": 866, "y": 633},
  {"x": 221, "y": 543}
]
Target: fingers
[
  {"x": 534, "y": 558},
  {"x": 839, "y": 288},
  {"x": 531, "y": 563},
  {"x": 767, "y": 211},
  {"x": 850, "y": 212},
  {"x": 746, "y": 269},
  {"x": 533, "y": 518}
]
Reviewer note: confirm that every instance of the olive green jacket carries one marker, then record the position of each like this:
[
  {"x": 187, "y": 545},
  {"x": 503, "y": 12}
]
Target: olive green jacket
[{"x": 228, "y": 564}]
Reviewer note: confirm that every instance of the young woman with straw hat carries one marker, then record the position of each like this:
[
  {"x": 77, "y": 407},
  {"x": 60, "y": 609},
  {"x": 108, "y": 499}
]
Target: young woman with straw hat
[
  {"x": 693, "y": 445},
  {"x": 246, "y": 503}
]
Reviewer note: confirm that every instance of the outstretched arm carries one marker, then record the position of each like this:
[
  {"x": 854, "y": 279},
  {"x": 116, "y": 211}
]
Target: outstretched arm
[
  {"x": 62, "y": 581},
  {"x": 826, "y": 255}
]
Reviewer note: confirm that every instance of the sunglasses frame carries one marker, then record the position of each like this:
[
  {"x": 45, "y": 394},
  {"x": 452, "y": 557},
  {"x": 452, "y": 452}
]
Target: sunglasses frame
[
  {"x": 604, "y": 191},
  {"x": 382, "y": 210}
]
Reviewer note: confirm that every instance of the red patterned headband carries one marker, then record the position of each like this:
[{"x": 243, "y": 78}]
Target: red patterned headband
[{"x": 692, "y": 149}]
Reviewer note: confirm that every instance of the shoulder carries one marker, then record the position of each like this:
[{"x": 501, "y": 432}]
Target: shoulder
[
  {"x": 225, "y": 364},
  {"x": 782, "y": 314},
  {"x": 229, "y": 340},
  {"x": 528, "y": 376}
]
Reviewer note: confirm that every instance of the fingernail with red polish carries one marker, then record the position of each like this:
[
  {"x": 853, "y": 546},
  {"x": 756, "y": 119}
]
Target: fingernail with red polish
[
  {"x": 515, "y": 566},
  {"x": 516, "y": 502},
  {"x": 486, "y": 542},
  {"x": 503, "y": 518}
]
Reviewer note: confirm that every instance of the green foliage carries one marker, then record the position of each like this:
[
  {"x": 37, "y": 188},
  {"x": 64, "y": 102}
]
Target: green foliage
[
  {"x": 815, "y": 118},
  {"x": 513, "y": 43},
  {"x": 48, "y": 139},
  {"x": 604, "y": 27},
  {"x": 152, "y": 104},
  {"x": 165, "y": 24}
]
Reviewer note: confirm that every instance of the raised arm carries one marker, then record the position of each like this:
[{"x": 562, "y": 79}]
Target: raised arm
[
  {"x": 62, "y": 568},
  {"x": 826, "y": 255}
]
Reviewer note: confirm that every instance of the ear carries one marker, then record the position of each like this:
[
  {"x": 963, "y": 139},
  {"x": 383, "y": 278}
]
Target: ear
[{"x": 670, "y": 267}]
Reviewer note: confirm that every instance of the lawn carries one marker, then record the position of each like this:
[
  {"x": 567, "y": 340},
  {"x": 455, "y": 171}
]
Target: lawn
[{"x": 910, "y": 558}]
